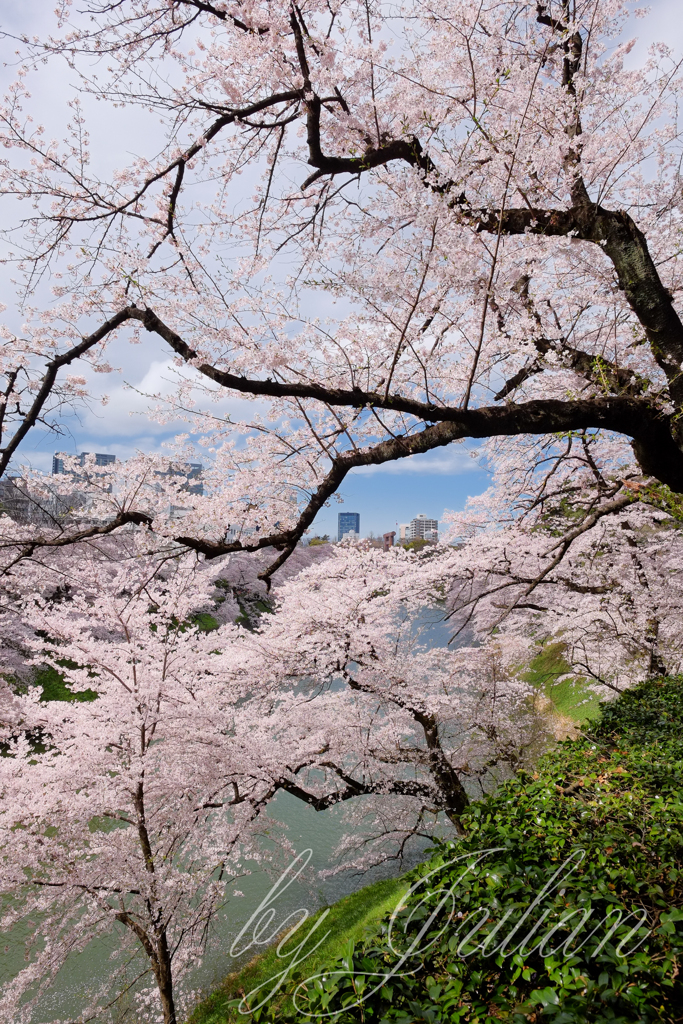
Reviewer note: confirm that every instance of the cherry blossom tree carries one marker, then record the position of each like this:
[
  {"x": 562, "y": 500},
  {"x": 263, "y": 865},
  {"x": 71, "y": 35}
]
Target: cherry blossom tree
[
  {"x": 131, "y": 812},
  {"x": 591, "y": 562},
  {"x": 487, "y": 191},
  {"x": 401, "y": 728}
]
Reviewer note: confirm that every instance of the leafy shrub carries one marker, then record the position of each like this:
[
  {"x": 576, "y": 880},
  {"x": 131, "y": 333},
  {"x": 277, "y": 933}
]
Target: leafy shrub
[{"x": 617, "y": 795}]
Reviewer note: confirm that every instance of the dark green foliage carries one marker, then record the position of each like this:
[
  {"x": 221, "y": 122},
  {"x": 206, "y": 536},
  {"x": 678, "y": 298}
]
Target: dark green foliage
[
  {"x": 662, "y": 497},
  {"x": 251, "y": 609},
  {"x": 204, "y": 621},
  {"x": 53, "y": 686},
  {"x": 617, "y": 794}
]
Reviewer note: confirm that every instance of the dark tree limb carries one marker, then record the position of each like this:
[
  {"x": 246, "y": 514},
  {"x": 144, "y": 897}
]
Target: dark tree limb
[
  {"x": 216, "y": 12},
  {"x": 601, "y": 371},
  {"x": 453, "y": 796},
  {"x": 28, "y": 549},
  {"x": 49, "y": 378},
  {"x": 654, "y": 444},
  {"x": 354, "y": 788}
]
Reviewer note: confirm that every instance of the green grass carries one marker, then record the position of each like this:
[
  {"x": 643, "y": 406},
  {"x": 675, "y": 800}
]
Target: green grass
[
  {"x": 346, "y": 922},
  {"x": 571, "y": 696}
]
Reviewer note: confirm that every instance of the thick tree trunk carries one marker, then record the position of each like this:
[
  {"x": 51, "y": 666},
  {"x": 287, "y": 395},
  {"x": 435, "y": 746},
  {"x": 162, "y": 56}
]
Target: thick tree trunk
[
  {"x": 454, "y": 795},
  {"x": 164, "y": 978},
  {"x": 157, "y": 949}
]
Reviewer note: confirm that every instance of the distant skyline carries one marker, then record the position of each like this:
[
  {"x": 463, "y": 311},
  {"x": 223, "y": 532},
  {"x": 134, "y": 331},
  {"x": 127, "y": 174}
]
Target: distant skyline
[
  {"x": 395, "y": 494},
  {"x": 384, "y": 496}
]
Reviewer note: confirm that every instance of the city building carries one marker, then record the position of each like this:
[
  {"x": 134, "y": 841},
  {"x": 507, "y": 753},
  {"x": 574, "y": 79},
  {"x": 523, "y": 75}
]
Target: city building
[
  {"x": 63, "y": 504},
  {"x": 190, "y": 482},
  {"x": 190, "y": 472},
  {"x": 422, "y": 528},
  {"x": 242, "y": 533},
  {"x": 22, "y": 501},
  {"x": 185, "y": 475},
  {"x": 388, "y": 539},
  {"x": 14, "y": 500},
  {"x": 25, "y": 504},
  {"x": 348, "y": 523},
  {"x": 404, "y": 529},
  {"x": 58, "y": 460}
]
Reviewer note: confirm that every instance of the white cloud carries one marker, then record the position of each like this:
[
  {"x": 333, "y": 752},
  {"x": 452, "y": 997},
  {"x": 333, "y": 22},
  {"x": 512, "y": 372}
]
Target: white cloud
[
  {"x": 442, "y": 461},
  {"x": 127, "y": 413}
]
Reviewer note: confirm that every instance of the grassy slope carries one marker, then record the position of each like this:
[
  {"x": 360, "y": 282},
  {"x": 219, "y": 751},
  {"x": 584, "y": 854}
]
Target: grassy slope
[
  {"x": 347, "y": 921},
  {"x": 550, "y": 673}
]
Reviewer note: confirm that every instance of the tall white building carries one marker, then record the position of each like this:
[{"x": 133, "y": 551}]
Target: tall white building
[{"x": 422, "y": 528}]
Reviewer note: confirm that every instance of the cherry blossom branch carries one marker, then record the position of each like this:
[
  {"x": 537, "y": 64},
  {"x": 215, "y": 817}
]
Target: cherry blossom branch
[
  {"x": 650, "y": 430},
  {"x": 563, "y": 545},
  {"x": 353, "y": 788},
  {"x": 635, "y": 418},
  {"x": 614, "y": 231},
  {"x": 49, "y": 378},
  {"x": 66, "y": 539},
  {"x": 455, "y": 799},
  {"x": 200, "y": 5},
  {"x": 513, "y": 580}
]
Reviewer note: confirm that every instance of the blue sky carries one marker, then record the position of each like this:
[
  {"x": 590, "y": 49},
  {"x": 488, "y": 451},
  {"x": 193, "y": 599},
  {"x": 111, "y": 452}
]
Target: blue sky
[{"x": 385, "y": 498}]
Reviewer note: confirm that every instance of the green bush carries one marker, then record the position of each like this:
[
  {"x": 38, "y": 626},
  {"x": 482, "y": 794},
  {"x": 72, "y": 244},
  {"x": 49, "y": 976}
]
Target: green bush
[
  {"x": 416, "y": 545},
  {"x": 616, "y": 794}
]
